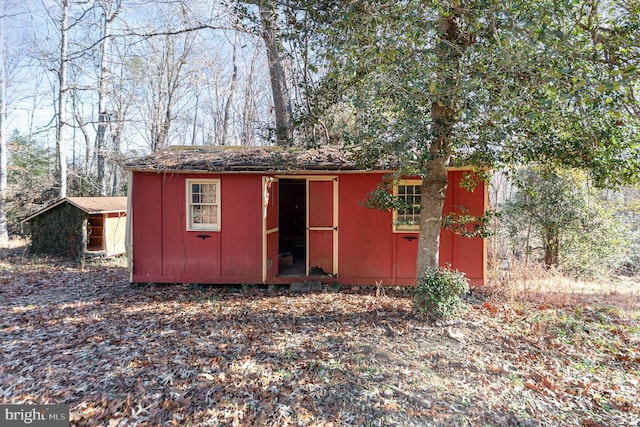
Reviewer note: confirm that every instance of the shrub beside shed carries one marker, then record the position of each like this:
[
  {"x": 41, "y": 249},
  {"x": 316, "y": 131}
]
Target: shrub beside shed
[{"x": 78, "y": 226}]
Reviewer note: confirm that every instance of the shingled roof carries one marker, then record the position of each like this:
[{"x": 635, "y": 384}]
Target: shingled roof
[
  {"x": 247, "y": 158},
  {"x": 90, "y": 205}
]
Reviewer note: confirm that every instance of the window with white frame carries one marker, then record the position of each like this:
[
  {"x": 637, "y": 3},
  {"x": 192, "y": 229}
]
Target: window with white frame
[
  {"x": 406, "y": 216},
  {"x": 203, "y": 204}
]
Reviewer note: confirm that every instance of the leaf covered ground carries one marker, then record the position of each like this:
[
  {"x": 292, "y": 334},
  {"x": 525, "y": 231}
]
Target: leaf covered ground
[{"x": 151, "y": 355}]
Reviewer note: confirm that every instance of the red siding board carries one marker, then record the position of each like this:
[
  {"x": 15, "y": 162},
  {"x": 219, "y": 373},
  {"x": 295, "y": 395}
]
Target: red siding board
[
  {"x": 241, "y": 230},
  {"x": 448, "y": 238},
  {"x": 184, "y": 253},
  {"x": 468, "y": 254},
  {"x": 321, "y": 250},
  {"x": 146, "y": 206},
  {"x": 272, "y": 258},
  {"x": 446, "y": 257},
  {"x": 321, "y": 215},
  {"x": 365, "y": 235},
  {"x": 407, "y": 250},
  {"x": 320, "y": 203}
]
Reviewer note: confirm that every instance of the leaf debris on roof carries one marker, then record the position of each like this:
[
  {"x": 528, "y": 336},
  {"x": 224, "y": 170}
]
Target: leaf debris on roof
[{"x": 247, "y": 158}]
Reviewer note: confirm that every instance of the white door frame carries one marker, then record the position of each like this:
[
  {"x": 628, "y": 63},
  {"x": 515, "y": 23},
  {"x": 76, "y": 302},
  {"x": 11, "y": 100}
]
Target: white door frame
[{"x": 266, "y": 180}]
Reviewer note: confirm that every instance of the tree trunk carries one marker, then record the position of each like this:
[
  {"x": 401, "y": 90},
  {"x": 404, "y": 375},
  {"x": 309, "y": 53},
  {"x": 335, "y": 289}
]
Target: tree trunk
[
  {"x": 61, "y": 137},
  {"x": 4, "y": 233},
  {"x": 551, "y": 247},
  {"x": 449, "y": 48},
  {"x": 103, "y": 115},
  {"x": 116, "y": 135},
  {"x": 165, "y": 85},
  {"x": 247, "y": 127},
  {"x": 434, "y": 191},
  {"x": 80, "y": 125},
  {"x": 527, "y": 244},
  {"x": 194, "y": 125},
  {"x": 232, "y": 90},
  {"x": 279, "y": 89}
]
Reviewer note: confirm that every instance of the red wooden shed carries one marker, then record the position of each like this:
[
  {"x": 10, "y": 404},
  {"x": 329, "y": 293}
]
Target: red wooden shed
[{"x": 274, "y": 215}]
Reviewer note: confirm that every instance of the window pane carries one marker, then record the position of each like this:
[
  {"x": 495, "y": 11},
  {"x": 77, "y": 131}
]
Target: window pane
[
  {"x": 407, "y": 214},
  {"x": 206, "y": 214},
  {"x": 196, "y": 214},
  {"x": 208, "y": 193},
  {"x": 203, "y": 205},
  {"x": 210, "y": 214}
]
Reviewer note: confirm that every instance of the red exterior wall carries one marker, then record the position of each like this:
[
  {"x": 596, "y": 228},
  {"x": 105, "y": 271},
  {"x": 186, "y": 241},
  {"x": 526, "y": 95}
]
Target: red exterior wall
[
  {"x": 369, "y": 252},
  {"x": 164, "y": 251},
  {"x": 368, "y": 246},
  {"x": 365, "y": 236}
]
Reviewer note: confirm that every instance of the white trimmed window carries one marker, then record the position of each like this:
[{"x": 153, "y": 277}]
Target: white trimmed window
[
  {"x": 203, "y": 204},
  {"x": 406, "y": 218}
]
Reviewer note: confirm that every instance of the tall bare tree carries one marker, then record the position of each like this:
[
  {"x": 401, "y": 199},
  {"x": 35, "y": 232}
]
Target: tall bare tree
[
  {"x": 4, "y": 234},
  {"x": 232, "y": 90},
  {"x": 164, "y": 73},
  {"x": 277, "y": 73},
  {"x": 110, "y": 10},
  {"x": 121, "y": 101},
  {"x": 63, "y": 93},
  {"x": 250, "y": 112}
]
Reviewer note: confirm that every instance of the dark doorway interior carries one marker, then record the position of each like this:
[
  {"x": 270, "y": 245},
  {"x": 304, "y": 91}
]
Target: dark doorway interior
[
  {"x": 95, "y": 233},
  {"x": 292, "y": 227}
]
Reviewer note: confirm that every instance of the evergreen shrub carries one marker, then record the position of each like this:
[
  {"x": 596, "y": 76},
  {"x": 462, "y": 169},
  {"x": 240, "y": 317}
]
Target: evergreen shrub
[{"x": 438, "y": 294}]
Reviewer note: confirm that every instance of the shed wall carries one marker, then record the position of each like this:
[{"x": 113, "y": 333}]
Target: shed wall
[
  {"x": 115, "y": 230},
  {"x": 59, "y": 232},
  {"x": 369, "y": 251},
  {"x": 163, "y": 249}
]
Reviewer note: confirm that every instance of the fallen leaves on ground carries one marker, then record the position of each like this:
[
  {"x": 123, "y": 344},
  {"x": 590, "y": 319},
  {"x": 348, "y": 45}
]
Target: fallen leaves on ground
[{"x": 147, "y": 355}]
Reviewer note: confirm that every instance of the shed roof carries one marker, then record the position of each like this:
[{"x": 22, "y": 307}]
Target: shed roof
[
  {"x": 90, "y": 205},
  {"x": 251, "y": 159},
  {"x": 95, "y": 205}
]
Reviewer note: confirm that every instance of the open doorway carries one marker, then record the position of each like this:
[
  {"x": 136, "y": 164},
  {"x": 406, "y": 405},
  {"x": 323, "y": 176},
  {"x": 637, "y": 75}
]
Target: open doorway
[
  {"x": 95, "y": 233},
  {"x": 292, "y": 227}
]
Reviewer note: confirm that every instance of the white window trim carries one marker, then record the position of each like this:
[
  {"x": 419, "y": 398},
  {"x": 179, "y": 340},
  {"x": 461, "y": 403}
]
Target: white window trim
[
  {"x": 404, "y": 228},
  {"x": 188, "y": 198}
]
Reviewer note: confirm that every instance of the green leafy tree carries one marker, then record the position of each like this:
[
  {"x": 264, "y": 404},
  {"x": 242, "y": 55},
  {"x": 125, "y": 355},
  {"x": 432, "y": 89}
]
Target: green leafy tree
[
  {"x": 30, "y": 178},
  {"x": 557, "y": 214},
  {"x": 491, "y": 83},
  {"x": 29, "y": 161}
]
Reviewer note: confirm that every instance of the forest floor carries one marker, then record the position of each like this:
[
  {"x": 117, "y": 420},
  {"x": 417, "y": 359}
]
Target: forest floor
[{"x": 126, "y": 355}]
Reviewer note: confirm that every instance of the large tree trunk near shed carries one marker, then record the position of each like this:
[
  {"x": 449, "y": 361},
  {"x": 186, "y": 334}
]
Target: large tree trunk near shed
[
  {"x": 433, "y": 192},
  {"x": 279, "y": 89},
  {"x": 449, "y": 48}
]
